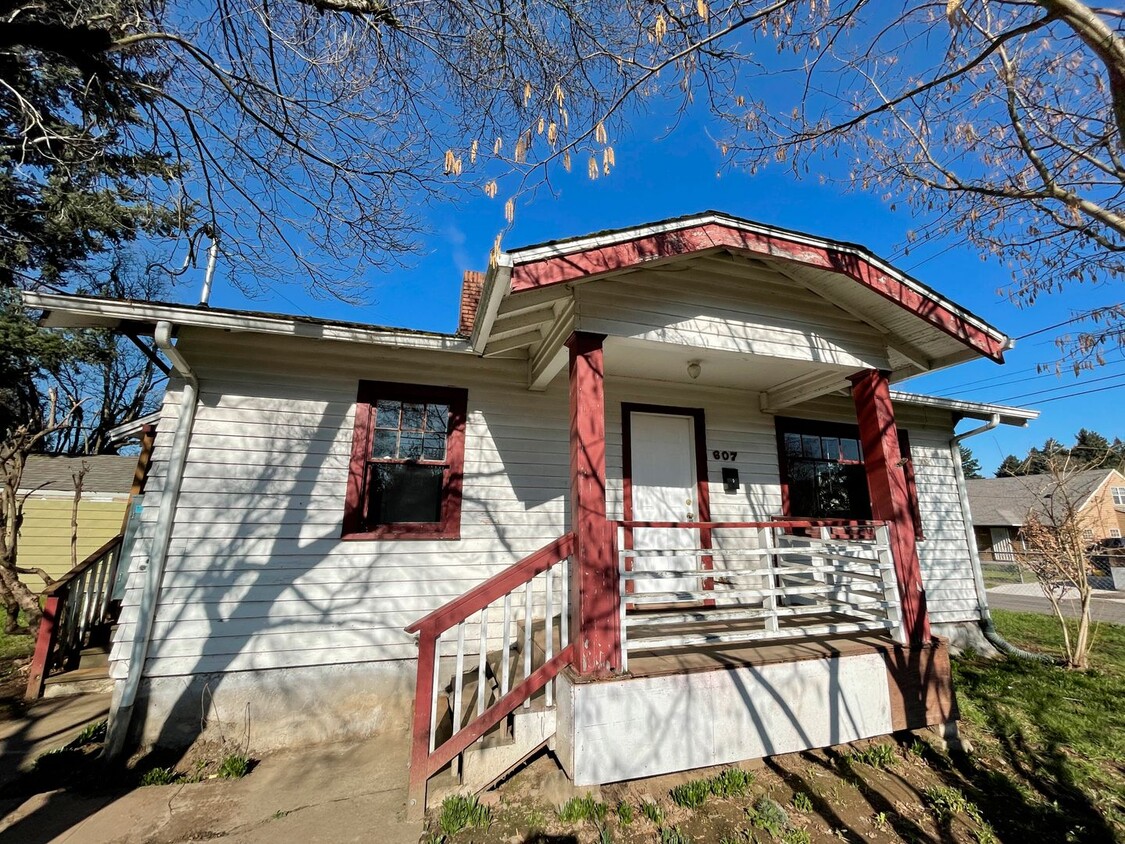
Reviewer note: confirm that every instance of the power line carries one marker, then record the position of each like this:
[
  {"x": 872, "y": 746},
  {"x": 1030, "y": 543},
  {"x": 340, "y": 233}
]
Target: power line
[
  {"x": 1076, "y": 395},
  {"x": 1079, "y": 318},
  {"x": 1001, "y": 381},
  {"x": 1065, "y": 387}
]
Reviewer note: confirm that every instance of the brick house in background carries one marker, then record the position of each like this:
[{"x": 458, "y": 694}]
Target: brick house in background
[{"x": 1000, "y": 507}]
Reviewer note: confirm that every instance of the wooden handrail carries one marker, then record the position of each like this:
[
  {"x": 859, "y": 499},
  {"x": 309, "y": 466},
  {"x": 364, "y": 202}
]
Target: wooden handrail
[
  {"x": 424, "y": 762},
  {"x": 82, "y": 566},
  {"x": 495, "y": 587}
]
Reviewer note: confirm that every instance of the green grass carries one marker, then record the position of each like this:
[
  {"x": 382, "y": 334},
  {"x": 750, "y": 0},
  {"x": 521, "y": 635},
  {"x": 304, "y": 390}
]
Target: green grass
[
  {"x": 1050, "y": 743},
  {"x": 16, "y": 645}
]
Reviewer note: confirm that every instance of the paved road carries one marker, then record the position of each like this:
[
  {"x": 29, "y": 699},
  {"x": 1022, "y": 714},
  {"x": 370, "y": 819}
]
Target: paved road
[{"x": 1028, "y": 598}]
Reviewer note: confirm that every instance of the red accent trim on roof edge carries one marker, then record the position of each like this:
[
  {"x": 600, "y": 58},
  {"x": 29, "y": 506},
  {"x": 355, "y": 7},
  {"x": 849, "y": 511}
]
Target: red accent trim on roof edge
[{"x": 558, "y": 269}]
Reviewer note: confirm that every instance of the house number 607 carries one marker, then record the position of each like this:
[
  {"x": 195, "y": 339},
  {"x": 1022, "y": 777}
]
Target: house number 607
[{"x": 725, "y": 455}]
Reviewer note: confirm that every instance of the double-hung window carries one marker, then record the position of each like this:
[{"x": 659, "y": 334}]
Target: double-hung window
[
  {"x": 823, "y": 474},
  {"x": 408, "y": 451},
  {"x": 1119, "y": 496}
]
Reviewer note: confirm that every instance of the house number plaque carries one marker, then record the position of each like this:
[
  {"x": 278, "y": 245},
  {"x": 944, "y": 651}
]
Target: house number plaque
[{"x": 724, "y": 455}]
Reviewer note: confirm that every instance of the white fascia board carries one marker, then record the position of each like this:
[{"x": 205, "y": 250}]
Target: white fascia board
[
  {"x": 535, "y": 253},
  {"x": 497, "y": 283},
  {"x": 1018, "y": 416},
  {"x": 64, "y": 311}
]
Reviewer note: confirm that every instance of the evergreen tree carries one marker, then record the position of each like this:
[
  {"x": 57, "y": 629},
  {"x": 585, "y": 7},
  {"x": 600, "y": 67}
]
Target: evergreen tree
[
  {"x": 1011, "y": 467},
  {"x": 969, "y": 464}
]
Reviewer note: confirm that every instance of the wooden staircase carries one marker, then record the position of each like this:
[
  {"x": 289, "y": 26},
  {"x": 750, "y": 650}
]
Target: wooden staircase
[
  {"x": 72, "y": 644},
  {"x": 509, "y": 638}
]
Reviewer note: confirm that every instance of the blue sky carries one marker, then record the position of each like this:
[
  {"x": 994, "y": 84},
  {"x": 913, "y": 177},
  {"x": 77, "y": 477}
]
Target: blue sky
[{"x": 661, "y": 174}]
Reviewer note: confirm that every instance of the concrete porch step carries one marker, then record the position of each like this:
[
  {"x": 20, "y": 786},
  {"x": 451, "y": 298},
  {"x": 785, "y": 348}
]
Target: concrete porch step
[{"x": 80, "y": 681}]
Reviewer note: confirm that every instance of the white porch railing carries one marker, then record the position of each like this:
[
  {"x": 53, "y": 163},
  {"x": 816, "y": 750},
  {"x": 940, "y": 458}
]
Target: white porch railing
[{"x": 754, "y": 582}]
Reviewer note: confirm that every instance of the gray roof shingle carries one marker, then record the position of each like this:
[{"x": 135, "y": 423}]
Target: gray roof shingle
[
  {"x": 108, "y": 473},
  {"x": 1007, "y": 501}
]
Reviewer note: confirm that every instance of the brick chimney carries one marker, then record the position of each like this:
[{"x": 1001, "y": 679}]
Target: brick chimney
[{"x": 471, "y": 287}]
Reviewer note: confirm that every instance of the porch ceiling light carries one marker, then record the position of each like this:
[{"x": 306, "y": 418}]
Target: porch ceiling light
[{"x": 693, "y": 369}]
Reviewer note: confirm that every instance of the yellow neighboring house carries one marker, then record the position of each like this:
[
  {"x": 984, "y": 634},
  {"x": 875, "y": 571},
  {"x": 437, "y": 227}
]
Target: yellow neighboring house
[{"x": 44, "y": 540}]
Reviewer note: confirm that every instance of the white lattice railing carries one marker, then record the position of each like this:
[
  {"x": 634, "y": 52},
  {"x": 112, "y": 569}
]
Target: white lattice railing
[{"x": 751, "y": 582}]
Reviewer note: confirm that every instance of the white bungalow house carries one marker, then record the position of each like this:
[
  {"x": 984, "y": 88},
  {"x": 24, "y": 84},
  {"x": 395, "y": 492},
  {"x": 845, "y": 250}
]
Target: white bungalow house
[{"x": 655, "y": 506}]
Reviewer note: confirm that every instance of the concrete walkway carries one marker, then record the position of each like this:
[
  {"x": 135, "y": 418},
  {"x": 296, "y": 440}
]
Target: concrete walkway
[
  {"x": 330, "y": 793},
  {"x": 46, "y": 725},
  {"x": 1106, "y": 605}
]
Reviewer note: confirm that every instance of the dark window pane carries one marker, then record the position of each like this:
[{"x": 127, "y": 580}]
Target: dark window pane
[
  {"x": 802, "y": 488},
  {"x": 811, "y": 446},
  {"x": 860, "y": 507},
  {"x": 793, "y": 445},
  {"x": 433, "y": 447},
  {"x": 849, "y": 449},
  {"x": 400, "y": 492},
  {"x": 409, "y": 446},
  {"x": 413, "y": 416},
  {"x": 386, "y": 413},
  {"x": 437, "y": 418},
  {"x": 831, "y": 447},
  {"x": 385, "y": 444}
]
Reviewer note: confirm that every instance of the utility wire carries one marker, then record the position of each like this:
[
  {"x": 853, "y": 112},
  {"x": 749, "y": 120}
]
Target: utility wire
[
  {"x": 1079, "y": 318},
  {"x": 1064, "y": 387},
  {"x": 1076, "y": 395}
]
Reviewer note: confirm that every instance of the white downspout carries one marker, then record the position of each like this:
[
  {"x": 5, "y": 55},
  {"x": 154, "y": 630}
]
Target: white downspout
[
  {"x": 987, "y": 626},
  {"x": 122, "y": 709}
]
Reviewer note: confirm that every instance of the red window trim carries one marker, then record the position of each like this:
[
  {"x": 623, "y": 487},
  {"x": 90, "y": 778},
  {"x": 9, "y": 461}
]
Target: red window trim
[
  {"x": 791, "y": 425},
  {"x": 450, "y": 525}
]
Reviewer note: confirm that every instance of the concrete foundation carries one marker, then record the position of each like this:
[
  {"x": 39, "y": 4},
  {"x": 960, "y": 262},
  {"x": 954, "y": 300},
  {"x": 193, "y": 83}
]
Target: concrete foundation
[
  {"x": 645, "y": 726},
  {"x": 279, "y": 708}
]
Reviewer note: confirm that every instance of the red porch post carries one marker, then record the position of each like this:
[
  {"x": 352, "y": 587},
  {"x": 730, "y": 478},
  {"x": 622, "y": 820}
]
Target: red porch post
[
  {"x": 595, "y": 599},
  {"x": 890, "y": 499}
]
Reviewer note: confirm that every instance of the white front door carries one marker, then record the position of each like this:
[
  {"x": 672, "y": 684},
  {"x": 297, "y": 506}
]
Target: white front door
[{"x": 662, "y": 460}]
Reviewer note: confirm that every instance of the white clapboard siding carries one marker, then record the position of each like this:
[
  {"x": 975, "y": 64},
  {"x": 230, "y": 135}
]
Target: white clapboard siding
[
  {"x": 258, "y": 576},
  {"x": 761, "y": 313}
]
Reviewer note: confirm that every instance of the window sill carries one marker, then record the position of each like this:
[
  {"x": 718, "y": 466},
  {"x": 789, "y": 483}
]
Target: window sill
[{"x": 405, "y": 533}]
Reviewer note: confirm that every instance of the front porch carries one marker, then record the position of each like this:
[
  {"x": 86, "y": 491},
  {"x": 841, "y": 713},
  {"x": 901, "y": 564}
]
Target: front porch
[{"x": 701, "y": 608}]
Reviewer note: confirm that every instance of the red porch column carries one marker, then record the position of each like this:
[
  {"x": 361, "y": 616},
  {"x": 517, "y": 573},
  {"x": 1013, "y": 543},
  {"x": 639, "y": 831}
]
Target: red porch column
[
  {"x": 890, "y": 499},
  {"x": 595, "y": 598}
]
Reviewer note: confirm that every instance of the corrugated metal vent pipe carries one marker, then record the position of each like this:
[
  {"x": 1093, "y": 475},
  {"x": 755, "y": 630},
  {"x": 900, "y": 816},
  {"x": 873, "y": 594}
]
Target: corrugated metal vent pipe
[
  {"x": 986, "y": 624},
  {"x": 121, "y": 711}
]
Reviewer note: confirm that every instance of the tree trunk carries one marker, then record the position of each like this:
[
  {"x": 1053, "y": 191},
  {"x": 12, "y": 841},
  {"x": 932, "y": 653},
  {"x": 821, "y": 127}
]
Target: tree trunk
[{"x": 22, "y": 598}]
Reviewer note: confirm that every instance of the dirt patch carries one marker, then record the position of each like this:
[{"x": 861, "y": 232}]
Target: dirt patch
[{"x": 801, "y": 798}]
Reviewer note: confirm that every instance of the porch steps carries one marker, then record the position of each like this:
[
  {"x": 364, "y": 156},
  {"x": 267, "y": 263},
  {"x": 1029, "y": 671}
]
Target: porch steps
[{"x": 494, "y": 757}]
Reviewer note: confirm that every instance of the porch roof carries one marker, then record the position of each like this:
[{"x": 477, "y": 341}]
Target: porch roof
[{"x": 525, "y": 297}]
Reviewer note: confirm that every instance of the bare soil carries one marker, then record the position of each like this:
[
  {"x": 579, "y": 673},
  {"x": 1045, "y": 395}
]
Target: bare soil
[{"x": 849, "y": 800}]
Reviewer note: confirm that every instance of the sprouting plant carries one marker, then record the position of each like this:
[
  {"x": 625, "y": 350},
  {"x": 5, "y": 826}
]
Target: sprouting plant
[
  {"x": 880, "y": 820},
  {"x": 672, "y": 835},
  {"x": 733, "y": 782},
  {"x": 691, "y": 795},
  {"x": 584, "y": 808},
  {"x": 986, "y": 834},
  {"x": 90, "y": 733},
  {"x": 625, "y": 813},
  {"x": 459, "y": 812},
  {"x": 767, "y": 814},
  {"x": 234, "y": 766},
  {"x": 159, "y": 776},
  {"x": 802, "y": 803},
  {"x": 796, "y": 836},
  {"x": 946, "y": 802},
  {"x": 605, "y": 834},
  {"x": 652, "y": 811},
  {"x": 918, "y": 749},
  {"x": 877, "y": 756}
]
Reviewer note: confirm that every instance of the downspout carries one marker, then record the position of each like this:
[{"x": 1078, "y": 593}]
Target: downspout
[
  {"x": 987, "y": 626},
  {"x": 122, "y": 710}
]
